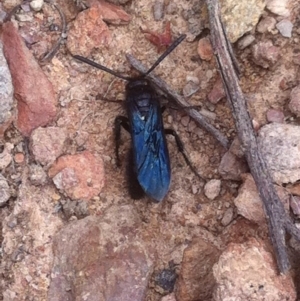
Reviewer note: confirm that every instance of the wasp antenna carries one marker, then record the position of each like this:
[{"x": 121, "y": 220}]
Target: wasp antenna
[
  {"x": 94, "y": 64},
  {"x": 166, "y": 53}
]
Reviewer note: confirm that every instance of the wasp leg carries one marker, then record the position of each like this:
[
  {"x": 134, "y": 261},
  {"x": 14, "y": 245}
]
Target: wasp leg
[
  {"x": 124, "y": 122},
  {"x": 180, "y": 147}
]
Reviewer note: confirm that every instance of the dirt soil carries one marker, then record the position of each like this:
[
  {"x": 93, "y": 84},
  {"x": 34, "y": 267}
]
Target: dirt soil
[{"x": 88, "y": 119}]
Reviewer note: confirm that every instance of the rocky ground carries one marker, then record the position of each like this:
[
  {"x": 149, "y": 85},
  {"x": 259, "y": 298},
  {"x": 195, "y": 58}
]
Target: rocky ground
[{"x": 69, "y": 229}]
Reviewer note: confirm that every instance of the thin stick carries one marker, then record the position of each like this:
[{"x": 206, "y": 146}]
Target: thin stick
[{"x": 279, "y": 221}]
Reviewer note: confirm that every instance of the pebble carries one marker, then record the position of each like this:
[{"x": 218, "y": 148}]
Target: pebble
[
  {"x": 280, "y": 146},
  {"x": 265, "y": 54},
  {"x": 37, "y": 175},
  {"x": 6, "y": 93},
  {"x": 267, "y": 24},
  {"x": 185, "y": 120},
  {"x": 4, "y": 191},
  {"x": 158, "y": 10},
  {"x": 285, "y": 27},
  {"x": 190, "y": 88},
  {"x": 278, "y": 7},
  {"x": 217, "y": 92},
  {"x": 232, "y": 167},
  {"x": 205, "y": 50},
  {"x": 212, "y": 189},
  {"x": 19, "y": 158},
  {"x": 274, "y": 115},
  {"x": 246, "y": 41},
  {"x": 5, "y": 156},
  {"x": 37, "y": 5},
  {"x": 227, "y": 217}
]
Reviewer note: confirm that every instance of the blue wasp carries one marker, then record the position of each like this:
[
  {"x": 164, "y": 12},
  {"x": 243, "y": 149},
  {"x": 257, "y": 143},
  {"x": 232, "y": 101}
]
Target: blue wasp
[{"x": 149, "y": 162}]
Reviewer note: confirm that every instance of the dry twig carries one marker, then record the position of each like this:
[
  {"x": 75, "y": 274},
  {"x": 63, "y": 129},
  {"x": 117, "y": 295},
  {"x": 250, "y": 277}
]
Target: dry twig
[{"x": 279, "y": 221}]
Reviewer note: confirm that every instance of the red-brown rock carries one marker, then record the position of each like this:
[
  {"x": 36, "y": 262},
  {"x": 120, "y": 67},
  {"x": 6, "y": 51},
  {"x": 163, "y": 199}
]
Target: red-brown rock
[
  {"x": 196, "y": 279},
  {"x": 217, "y": 92},
  {"x": 232, "y": 167},
  {"x": 80, "y": 176},
  {"x": 265, "y": 54},
  {"x": 205, "y": 50},
  {"x": 101, "y": 258},
  {"x": 275, "y": 115},
  {"x": 111, "y": 13},
  {"x": 87, "y": 32},
  {"x": 33, "y": 90},
  {"x": 249, "y": 204}
]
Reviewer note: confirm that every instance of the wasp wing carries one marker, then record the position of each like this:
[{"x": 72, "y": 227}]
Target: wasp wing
[{"x": 150, "y": 152}]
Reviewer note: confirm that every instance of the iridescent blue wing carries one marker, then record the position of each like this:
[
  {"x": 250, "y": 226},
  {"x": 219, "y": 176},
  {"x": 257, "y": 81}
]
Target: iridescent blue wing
[{"x": 150, "y": 152}]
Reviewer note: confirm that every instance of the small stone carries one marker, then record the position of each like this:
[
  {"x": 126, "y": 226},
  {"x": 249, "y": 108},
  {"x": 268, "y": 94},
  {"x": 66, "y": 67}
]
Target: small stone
[
  {"x": 5, "y": 156},
  {"x": 212, "y": 189},
  {"x": 10, "y": 4},
  {"x": 158, "y": 10},
  {"x": 24, "y": 18},
  {"x": 12, "y": 222},
  {"x": 36, "y": 5},
  {"x": 217, "y": 92},
  {"x": 280, "y": 146},
  {"x": 205, "y": 50},
  {"x": 37, "y": 175},
  {"x": 240, "y": 17},
  {"x": 190, "y": 88},
  {"x": 274, "y": 115},
  {"x": 296, "y": 59},
  {"x": 19, "y": 158},
  {"x": 227, "y": 217},
  {"x": 294, "y": 104},
  {"x": 4, "y": 191},
  {"x": 232, "y": 167},
  {"x": 65, "y": 179},
  {"x": 236, "y": 148},
  {"x": 185, "y": 120},
  {"x": 246, "y": 41},
  {"x": 285, "y": 27},
  {"x": 6, "y": 94},
  {"x": 166, "y": 279},
  {"x": 267, "y": 24},
  {"x": 265, "y": 54},
  {"x": 278, "y": 7},
  {"x": 77, "y": 208},
  {"x": 195, "y": 279},
  {"x": 110, "y": 13}
]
